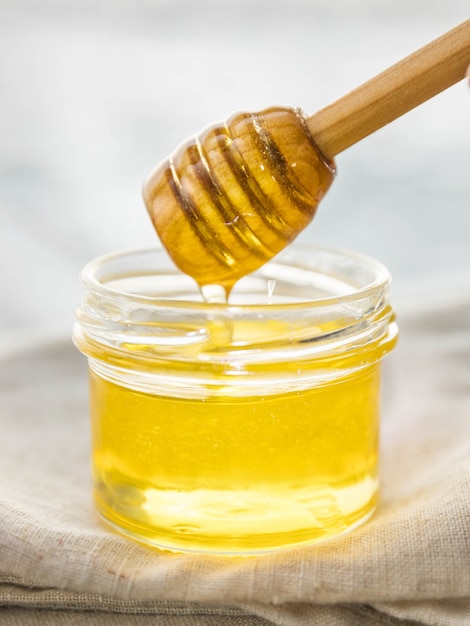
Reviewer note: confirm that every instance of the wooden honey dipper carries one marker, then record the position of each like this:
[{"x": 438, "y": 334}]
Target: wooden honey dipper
[{"x": 231, "y": 198}]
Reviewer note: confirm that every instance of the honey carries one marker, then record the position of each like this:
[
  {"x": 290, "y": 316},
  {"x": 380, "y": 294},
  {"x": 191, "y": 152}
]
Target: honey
[
  {"x": 236, "y": 474},
  {"x": 236, "y": 428}
]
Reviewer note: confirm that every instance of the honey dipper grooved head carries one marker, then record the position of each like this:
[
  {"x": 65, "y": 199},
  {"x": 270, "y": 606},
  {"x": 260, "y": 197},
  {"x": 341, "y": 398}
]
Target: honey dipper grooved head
[{"x": 230, "y": 199}]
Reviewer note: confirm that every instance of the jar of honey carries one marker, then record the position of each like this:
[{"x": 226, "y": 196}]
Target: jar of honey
[{"x": 235, "y": 428}]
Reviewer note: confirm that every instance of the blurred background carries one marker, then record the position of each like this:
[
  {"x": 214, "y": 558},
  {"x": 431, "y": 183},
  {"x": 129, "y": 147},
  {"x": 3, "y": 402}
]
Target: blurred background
[{"x": 94, "y": 93}]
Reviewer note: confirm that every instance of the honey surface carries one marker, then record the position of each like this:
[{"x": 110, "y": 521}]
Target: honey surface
[{"x": 236, "y": 474}]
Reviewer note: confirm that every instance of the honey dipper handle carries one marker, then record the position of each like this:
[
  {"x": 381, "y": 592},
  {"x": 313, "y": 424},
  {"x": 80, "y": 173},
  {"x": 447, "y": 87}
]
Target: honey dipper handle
[{"x": 405, "y": 85}]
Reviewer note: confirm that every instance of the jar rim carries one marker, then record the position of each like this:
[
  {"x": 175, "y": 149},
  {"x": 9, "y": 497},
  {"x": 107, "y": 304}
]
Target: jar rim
[
  {"x": 380, "y": 279},
  {"x": 170, "y": 338}
]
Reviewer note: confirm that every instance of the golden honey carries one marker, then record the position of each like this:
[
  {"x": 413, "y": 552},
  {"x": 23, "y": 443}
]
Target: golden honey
[{"x": 238, "y": 428}]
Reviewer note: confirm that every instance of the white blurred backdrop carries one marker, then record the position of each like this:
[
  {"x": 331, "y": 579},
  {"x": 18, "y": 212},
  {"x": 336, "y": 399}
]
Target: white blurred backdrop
[{"x": 94, "y": 93}]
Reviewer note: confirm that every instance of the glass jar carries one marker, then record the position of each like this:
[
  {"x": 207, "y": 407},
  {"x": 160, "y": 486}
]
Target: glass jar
[{"x": 235, "y": 428}]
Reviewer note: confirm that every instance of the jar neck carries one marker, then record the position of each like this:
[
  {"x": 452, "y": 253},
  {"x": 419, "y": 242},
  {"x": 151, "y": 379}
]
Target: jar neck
[{"x": 330, "y": 316}]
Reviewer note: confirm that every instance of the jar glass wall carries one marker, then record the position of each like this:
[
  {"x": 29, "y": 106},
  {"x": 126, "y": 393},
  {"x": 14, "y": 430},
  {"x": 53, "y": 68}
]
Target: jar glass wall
[{"x": 237, "y": 428}]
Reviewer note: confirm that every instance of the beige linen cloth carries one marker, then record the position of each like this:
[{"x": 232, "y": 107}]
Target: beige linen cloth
[{"x": 410, "y": 564}]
